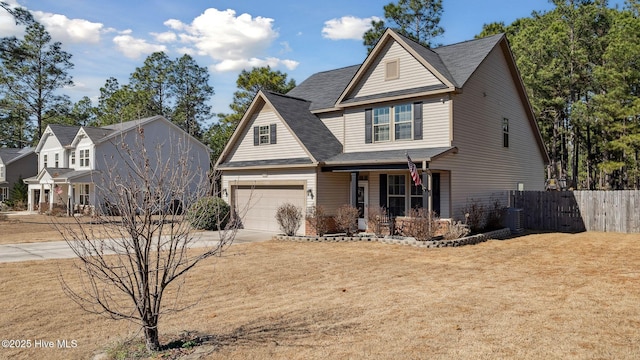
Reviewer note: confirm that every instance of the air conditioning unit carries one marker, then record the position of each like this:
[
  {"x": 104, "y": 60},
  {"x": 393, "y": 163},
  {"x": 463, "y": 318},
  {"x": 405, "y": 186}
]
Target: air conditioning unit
[{"x": 514, "y": 220}]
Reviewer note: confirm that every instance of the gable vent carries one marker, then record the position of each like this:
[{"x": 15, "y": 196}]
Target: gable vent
[{"x": 392, "y": 69}]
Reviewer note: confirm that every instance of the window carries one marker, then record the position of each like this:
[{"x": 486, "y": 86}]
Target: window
[
  {"x": 416, "y": 196},
  {"x": 392, "y": 123},
  {"x": 73, "y": 158},
  {"x": 392, "y": 69},
  {"x": 396, "y": 194},
  {"x": 84, "y": 194},
  {"x": 264, "y": 135},
  {"x": 45, "y": 160},
  {"x": 403, "y": 119},
  {"x": 2, "y": 174},
  {"x": 56, "y": 160},
  {"x": 84, "y": 158},
  {"x": 4, "y": 193},
  {"x": 505, "y": 132},
  {"x": 381, "y": 124}
]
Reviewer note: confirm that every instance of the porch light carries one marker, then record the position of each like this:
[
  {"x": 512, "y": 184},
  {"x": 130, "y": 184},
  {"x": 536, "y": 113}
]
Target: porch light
[
  {"x": 224, "y": 192},
  {"x": 310, "y": 194}
]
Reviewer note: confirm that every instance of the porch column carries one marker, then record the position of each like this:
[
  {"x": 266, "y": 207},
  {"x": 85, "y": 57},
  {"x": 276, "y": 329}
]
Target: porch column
[
  {"x": 69, "y": 199},
  {"x": 427, "y": 198},
  {"x": 41, "y": 199},
  {"x": 52, "y": 197},
  {"x": 354, "y": 189}
]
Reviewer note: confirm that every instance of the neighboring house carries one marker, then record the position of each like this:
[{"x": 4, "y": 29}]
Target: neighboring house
[
  {"x": 14, "y": 165},
  {"x": 72, "y": 159},
  {"x": 342, "y": 136}
]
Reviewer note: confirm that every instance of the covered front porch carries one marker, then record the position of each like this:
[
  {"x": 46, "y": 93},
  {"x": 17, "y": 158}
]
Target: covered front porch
[
  {"x": 62, "y": 190},
  {"x": 387, "y": 182}
]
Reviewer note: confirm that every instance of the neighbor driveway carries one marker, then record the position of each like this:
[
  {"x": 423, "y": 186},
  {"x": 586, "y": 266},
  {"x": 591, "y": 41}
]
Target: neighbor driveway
[{"x": 61, "y": 250}]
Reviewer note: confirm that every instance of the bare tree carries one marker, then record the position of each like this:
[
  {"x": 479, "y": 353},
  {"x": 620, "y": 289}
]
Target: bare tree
[{"x": 141, "y": 242}]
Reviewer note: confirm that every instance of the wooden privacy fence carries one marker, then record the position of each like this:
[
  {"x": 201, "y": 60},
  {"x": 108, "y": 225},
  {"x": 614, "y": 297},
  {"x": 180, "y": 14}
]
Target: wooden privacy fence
[{"x": 575, "y": 211}]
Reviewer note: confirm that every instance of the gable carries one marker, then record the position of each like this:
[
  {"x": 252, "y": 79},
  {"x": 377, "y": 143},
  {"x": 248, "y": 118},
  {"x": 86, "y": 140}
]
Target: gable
[
  {"x": 284, "y": 146},
  {"x": 394, "y": 70}
]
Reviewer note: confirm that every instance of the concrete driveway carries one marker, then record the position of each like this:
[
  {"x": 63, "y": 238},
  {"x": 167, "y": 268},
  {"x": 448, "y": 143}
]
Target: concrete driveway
[{"x": 60, "y": 249}]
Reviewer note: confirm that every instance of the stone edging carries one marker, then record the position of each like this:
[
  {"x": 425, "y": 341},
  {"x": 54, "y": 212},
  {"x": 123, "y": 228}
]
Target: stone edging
[{"x": 469, "y": 240}]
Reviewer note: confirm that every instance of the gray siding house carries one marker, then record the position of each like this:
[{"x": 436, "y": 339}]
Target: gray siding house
[
  {"x": 74, "y": 160},
  {"x": 460, "y": 112},
  {"x": 15, "y": 164}
]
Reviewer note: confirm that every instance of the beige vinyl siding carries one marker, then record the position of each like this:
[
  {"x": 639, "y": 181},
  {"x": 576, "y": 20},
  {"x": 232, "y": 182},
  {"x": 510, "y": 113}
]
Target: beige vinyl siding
[
  {"x": 333, "y": 190},
  {"x": 435, "y": 127},
  {"x": 483, "y": 169},
  {"x": 412, "y": 73},
  {"x": 335, "y": 123},
  {"x": 286, "y": 146},
  {"x": 272, "y": 177}
]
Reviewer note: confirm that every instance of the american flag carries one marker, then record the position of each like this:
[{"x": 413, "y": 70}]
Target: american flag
[{"x": 414, "y": 172}]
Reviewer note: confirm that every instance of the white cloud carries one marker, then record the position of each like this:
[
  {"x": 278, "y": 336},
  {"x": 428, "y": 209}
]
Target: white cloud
[
  {"x": 135, "y": 48},
  {"x": 237, "y": 64},
  {"x": 234, "y": 42},
  {"x": 67, "y": 30},
  {"x": 347, "y": 27},
  {"x": 165, "y": 37}
]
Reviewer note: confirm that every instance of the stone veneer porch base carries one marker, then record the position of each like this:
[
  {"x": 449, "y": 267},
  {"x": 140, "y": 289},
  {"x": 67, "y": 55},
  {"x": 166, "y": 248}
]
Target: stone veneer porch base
[{"x": 468, "y": 240}]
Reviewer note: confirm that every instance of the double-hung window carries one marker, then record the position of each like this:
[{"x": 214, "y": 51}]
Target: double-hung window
[
  {"x": 56, "y": 160},
  {"x": 393, "y": 123},
  {"x": 403, "y": 122},
  {"x": 45, "y": 160},
  {"x": 84, "y": 158},
  {"x": 264, "y": 135},
  {"x": 73, "y": 158},
  {"x": 396, "y": 194},
  {"x": 84, "y": 194},
  {"x": 381, "y": 124}
]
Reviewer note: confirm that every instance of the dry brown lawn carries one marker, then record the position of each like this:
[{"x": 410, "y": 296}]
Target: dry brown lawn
[
  {"x": 539, "y": 296},
  {"x": 16, "y": 229}
]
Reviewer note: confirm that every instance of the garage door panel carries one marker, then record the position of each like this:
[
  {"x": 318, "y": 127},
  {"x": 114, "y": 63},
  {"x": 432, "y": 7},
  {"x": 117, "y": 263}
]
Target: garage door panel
[{"x": 260, "y": 204}]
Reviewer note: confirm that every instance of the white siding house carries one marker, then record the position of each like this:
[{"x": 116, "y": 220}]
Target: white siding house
[
  {"x": 460, "y": 112},
  {"x": 74, "y": 161}
]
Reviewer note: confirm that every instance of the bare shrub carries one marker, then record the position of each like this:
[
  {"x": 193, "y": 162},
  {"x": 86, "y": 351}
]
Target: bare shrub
[
  {"x": 474, "y": 215},
  {"x": 347, "y": 219},
  {"x": 421, "y": 224},
  {"x": 375, "y": 216},
  {"x": 289, "y": 218},
  {"x": 457, "y": 229},
  {"x": 127, "y": 261},
  {"x": 318, "y": 220},
  {"x": 495, "y": 215}
]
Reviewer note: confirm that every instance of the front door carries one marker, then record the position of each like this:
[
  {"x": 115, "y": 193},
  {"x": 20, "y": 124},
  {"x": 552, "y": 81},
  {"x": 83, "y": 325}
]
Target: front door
[{"x": 363, "y": 202}]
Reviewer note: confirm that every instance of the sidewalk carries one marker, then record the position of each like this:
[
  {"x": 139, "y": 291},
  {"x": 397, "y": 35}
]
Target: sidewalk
[{"x": 60, "y": 249}]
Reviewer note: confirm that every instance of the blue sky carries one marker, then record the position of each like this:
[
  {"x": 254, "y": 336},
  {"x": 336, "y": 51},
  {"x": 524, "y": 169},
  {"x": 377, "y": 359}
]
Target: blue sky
[{"x": 112, "y": 38}]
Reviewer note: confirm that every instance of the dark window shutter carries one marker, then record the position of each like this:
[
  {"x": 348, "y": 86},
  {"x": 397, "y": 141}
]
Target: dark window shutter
[
  {"x": 417, "y": 121},
  {"x": 368, "y": 127},
  {"x": 272, "y": 135},
  {"x": 256, "y": 136},
  {"x": 383, "y": 190}
]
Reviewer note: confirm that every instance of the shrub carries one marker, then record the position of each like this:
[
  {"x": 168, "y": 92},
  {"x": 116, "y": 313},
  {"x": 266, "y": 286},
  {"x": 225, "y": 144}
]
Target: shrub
[
  {"x": 420, "y": 225},
  {"x": 347, "y": 219},
  {"x": 318, "y": 220},
  {"x": 289, "y": 218},
  {"x": 209, "y": 213},
  {"x": 456, "y": 230},
  {"x": 374, "y": 218},
  {"x": 474, "y": 215},
  {"x": 495, "y": 215}
]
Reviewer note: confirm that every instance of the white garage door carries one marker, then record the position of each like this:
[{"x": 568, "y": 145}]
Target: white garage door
[{"x": 262, "y": 201}]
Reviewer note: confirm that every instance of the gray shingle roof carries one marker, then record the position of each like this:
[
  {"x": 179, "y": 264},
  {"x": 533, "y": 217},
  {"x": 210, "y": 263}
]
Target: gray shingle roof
[
  {"x": 64, "y": 133},
  {"x": 265, "y": 163},
  {"x": 324, "y": 88},
  {"x": 311, "y": 131},
  {"x": 456, "y": 62},
  {"x": 388, "y": 156},
  {"x": 7, "y": 155}
]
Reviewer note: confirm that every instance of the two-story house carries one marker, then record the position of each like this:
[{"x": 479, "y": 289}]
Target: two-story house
[
  {"x": 460, "y": 112},
  {"x": 74, "y": 160},
  {"x": 15, "y": 164}
]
